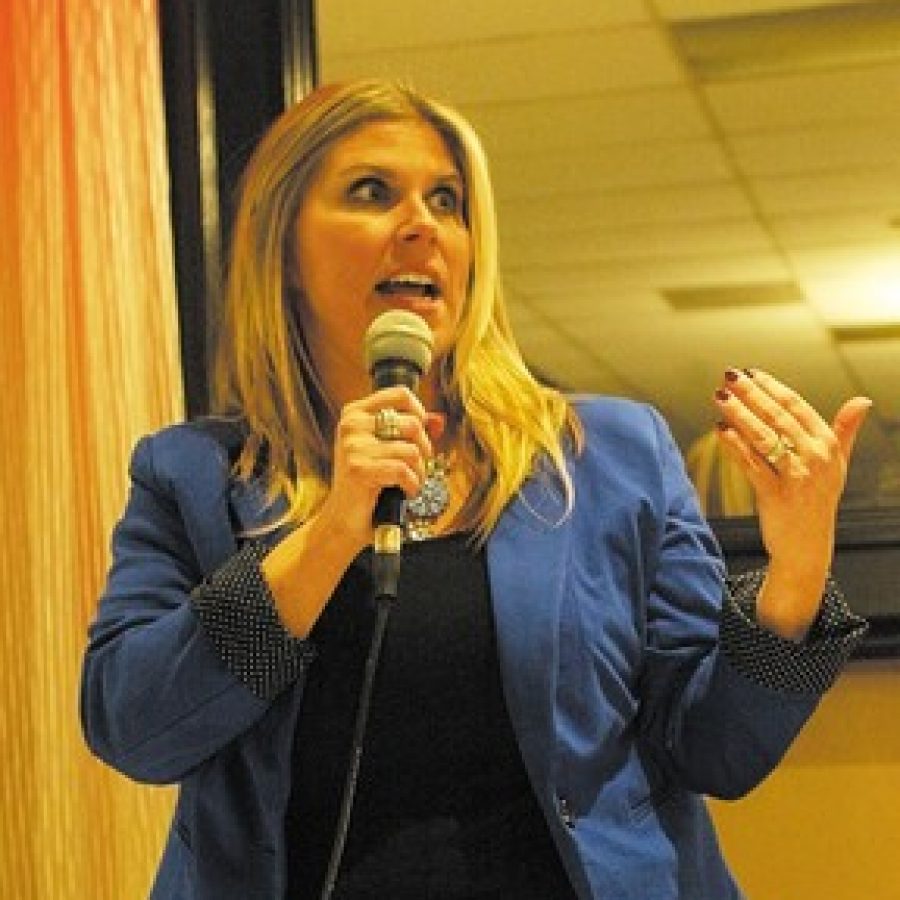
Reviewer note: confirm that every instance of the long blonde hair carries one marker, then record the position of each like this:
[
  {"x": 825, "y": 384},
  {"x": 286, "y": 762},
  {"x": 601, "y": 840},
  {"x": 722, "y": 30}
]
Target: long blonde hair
[{"x": 505, "y": 419}]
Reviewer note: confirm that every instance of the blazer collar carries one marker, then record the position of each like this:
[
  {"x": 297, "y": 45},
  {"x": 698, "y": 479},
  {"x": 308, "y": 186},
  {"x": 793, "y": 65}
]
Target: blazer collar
[{"x": 252, "y": 511}]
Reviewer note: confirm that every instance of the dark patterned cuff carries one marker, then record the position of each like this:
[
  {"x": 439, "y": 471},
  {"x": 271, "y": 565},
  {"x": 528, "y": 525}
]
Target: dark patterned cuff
[
  {"x": 805, "y": 667},
  {"x": 238, "y": 613}
]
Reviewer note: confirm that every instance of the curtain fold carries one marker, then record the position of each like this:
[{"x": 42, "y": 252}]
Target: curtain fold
[{"x": 88, "y": 361}]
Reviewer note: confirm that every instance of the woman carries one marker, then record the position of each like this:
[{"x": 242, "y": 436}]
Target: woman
[{"x": 565, "y": 671}]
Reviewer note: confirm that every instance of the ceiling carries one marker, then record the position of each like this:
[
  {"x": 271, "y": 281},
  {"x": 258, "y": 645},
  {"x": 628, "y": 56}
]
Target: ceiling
[{"x": 682, "y": 185}]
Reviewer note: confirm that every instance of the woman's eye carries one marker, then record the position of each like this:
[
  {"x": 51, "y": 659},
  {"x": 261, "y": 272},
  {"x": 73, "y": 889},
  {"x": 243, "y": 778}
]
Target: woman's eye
[
  {"x": 446, "y": 199},
  {"x": 369, "y": 190}
]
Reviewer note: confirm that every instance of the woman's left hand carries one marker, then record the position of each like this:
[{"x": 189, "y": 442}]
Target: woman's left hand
[{"x": 797, "y": 464}]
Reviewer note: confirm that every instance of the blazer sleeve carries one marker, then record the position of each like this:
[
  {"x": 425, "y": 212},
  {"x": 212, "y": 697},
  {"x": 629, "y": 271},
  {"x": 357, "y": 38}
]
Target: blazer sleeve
[
  {"x": 161, "y": 691},
  {"x": 706, "y": 723}
]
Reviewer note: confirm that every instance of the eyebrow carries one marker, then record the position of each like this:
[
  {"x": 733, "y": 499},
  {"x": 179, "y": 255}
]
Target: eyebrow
[{"x": 447, "y": 176}]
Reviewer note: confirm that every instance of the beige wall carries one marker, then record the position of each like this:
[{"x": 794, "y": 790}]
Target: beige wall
[{"x": 826, "y": 824}]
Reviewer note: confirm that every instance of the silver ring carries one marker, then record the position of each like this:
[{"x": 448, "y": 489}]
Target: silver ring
[
  {"x": 782, "y": 446},
  {"x": 387, "y": 424}
]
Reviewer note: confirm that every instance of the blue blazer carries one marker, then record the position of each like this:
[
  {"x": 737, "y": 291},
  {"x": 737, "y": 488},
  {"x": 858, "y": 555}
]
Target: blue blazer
[{"x": 625, "y": 704}]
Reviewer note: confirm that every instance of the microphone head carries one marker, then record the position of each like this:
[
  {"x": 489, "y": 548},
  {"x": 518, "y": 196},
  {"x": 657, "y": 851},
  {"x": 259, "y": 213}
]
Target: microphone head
[{"x": 399, "y": 336}]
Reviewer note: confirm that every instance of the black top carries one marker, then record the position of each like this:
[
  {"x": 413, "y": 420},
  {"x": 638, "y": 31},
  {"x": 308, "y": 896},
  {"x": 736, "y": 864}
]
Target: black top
[{"x": 443, "y": 808}]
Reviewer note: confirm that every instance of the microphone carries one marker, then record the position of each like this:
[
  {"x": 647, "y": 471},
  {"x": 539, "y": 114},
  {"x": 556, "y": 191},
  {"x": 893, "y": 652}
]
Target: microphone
[{"x": 397, "y": 348}]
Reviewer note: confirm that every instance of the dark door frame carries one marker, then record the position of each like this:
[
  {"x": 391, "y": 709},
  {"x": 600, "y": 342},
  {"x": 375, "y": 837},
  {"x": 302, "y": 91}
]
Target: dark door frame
[{"x": 229, "y": 68}]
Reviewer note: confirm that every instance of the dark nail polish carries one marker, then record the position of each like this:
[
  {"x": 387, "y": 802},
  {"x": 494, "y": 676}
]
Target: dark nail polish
[
  {"x": 722, "y": 396},
  {"x": 732, "y": 374}
]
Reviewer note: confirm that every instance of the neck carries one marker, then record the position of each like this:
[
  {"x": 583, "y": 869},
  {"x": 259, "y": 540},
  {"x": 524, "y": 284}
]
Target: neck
[{"x": 430, "y": 394}]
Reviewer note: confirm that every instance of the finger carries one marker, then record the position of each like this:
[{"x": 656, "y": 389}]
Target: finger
[
  {"x": 758, "y": 473},
  {"x": 398, "y": 397},
  {"x": 778, "y": 415},
  {"x": 751, "y": 427},
  {"x": 406, "y": 474},
  {"x": 378, "y": 474},
  {"x": 789, "y": 400},
  {"x": 357, "y": 443},
  {"x": 848, "y": 421},
  {"x": 406, "y": 428},
  {"x": 386, "y": 424}
]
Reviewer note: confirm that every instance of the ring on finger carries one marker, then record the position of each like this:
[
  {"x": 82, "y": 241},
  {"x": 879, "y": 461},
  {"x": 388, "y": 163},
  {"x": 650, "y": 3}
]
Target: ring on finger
[
  {"x": 782, "y": 446},
  {"x": 387, "y": 424}
]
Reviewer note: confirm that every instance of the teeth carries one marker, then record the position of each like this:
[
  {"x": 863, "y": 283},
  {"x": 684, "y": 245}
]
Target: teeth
[
  {"x": 414, "y": 278},
  {"x": 407, "y": 281}
]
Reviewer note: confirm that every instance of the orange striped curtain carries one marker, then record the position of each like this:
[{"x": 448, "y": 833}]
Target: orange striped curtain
[{"x": 88, "y": 360}]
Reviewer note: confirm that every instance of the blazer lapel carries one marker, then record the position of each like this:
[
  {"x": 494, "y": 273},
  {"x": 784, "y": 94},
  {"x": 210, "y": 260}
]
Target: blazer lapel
[{"x": 527, "y": 554}]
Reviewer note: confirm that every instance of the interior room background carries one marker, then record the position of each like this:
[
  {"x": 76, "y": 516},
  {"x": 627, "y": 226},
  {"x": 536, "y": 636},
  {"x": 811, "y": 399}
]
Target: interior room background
[{"x": 682, "y": 185}]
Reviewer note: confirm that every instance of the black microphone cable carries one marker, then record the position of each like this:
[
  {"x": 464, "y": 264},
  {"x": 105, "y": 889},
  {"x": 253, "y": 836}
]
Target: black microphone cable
[
  {"x": 397, "y": 348},
  {"x": 382, "y": 611}
]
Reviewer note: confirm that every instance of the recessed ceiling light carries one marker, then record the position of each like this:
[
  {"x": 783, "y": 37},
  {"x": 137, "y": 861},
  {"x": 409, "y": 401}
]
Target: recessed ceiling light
[
  {"x": 747, "y": 45},
  {"x": 866, "y": 331},
  {"x": 725, "y": 296}
]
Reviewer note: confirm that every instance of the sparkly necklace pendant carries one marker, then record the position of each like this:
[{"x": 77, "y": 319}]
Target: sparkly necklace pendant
[{"x": 434, "y": 497}]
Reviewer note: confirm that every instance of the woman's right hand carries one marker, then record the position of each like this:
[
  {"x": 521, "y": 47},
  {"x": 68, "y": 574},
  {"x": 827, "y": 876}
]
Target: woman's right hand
[
  {"x": 306, "y": 566},
  {"x": 364, "y": 464}
]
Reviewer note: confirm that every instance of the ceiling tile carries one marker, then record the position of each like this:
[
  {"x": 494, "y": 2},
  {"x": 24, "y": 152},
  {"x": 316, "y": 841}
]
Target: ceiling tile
[
  {"x": 522, "y": 317},
  {"x": 569, "y": 64},
  {"x": 670, "y": 113},
  {"x": 570, "y": 366},
  {"x": 568, "y": 307},
  {"x": 847, "y": 146},
  {"x": 650, "y": 241},
  {"x": 715, "y": 9},
  {"x": 633, "y": 165},
  {"x": 836, "y": 227},
  {"x": 788, "y": 101},
  {"x": 615, "y": 208},
  {"x": 544, "y": 276},
  {"x": 351, "y": 26},
  {"x": 826, "y": 191},
  {"x": 695, "y": 348}
]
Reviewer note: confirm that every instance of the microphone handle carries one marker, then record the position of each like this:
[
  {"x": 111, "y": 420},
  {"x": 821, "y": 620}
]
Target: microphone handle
[
  {"x": 390, "y": 509},
  {"x": 391, "y": 505},
  {"x": 391, "y": 372}
]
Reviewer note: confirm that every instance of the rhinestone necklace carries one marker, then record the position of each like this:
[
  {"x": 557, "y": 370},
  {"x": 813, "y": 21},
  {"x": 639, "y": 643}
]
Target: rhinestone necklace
[{"x": 433, "y": 498}]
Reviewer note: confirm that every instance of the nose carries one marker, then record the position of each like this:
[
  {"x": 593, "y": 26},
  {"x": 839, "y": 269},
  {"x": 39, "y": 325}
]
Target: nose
[{"x": 417, "y": 224}]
